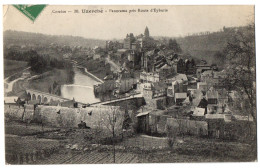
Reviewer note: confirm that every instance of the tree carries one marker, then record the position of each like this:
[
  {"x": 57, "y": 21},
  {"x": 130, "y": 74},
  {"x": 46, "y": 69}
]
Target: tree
[
  {"x": 172, "y": 44},
  {"x": 241, "y": 74},
  {"x": 127, "y": 120},
  {"x": 113, "y": 120},
  {"x": 241, "y": 66},
  {"x": 19, "y": 102},
  {"x": 38, "y": 63},
  {"x": 171, "y": 136},
  {"x": 193, "y": 63},
  {"x": 50, "y": 90},
  {"x": 219, "y": 56}
]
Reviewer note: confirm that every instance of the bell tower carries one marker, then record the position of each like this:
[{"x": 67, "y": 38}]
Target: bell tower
[{"x": 146, "y": 32}]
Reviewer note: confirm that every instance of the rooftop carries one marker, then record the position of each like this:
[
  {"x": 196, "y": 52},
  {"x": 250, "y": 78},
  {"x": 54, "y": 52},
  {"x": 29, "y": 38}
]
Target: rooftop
[{"x": 180, "y": 95}]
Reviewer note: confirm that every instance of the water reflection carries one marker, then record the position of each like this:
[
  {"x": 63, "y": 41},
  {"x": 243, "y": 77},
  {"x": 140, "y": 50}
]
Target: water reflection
[{"x": 82, "y": 89}]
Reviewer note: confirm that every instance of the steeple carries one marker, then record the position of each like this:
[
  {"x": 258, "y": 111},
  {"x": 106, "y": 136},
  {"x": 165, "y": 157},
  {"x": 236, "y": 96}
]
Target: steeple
[{"x": 146, "y": 32}]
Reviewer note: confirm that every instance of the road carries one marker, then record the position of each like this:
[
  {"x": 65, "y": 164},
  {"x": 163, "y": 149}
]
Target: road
[{"x": 9, "y": 85}]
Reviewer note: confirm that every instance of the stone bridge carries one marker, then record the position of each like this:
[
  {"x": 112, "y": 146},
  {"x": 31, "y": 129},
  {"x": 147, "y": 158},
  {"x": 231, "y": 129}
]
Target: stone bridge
[{"x": 43, "y": 97}]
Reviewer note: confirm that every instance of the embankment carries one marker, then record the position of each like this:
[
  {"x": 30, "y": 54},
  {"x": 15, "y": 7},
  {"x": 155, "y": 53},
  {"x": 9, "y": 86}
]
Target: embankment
[{"x": 90, "y": 74}]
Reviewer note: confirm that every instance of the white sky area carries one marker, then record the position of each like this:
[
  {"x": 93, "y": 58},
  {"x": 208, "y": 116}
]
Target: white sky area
[{"x": 178, "y": 21}]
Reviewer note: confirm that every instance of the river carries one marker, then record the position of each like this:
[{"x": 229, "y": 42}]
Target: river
[{"x": 81, "y": 89}]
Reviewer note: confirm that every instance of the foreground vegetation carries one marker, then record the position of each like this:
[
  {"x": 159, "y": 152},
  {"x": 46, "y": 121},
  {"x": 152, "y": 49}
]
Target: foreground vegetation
[{"x": 76, "y": 145}]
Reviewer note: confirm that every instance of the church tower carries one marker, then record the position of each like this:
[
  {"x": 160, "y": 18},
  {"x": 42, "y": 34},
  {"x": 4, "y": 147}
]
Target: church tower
[{"x": 146, "y": 32}]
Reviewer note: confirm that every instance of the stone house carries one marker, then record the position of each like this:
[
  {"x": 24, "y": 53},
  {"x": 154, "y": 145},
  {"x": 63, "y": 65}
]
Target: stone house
[
  {"x": 152, "y": 121},
  {"x": 155, "y": 90},
  {"x": 212, "y": 96},
  {"x": 202, "y": 86},
  {"x": 179, "y": 97},
  {"x": 226, "y": 126}
]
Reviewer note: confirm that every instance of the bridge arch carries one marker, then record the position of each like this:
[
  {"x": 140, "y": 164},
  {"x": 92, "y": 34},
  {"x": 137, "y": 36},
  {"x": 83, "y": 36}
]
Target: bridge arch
[
  {"x": 39, "y": 98},
  {"x": 33, "y": 97},
  {"x": 45, "y": 100},
  {"x": 29, "y": 96},
  {"x": 43, "y": 97}
]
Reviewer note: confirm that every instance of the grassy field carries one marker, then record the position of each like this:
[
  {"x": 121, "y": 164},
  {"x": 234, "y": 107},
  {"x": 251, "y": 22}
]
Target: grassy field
[
  {"x": 155, "y": 149},
  {"x": 16, "y": 144},
  {"x": 190, "y": 149},
  {"x": 22, "y": 138},
  {"x": 145, "y": 142},
  {"x": 23, "y": 129},
  {"x": 11, "y": 67}
]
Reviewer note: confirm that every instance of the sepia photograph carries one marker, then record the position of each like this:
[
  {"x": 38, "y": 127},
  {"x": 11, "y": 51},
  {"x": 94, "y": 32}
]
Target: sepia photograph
[{"x": 127, "y": 84}]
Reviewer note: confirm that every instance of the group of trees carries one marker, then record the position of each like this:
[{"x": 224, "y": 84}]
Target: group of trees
[
  {"x": 241, "y": 66},
  {"x": 240, "y": 70},
  {"x": 13, "y": 54},
  {"x": 170, "y": 44},
  {"x": 42, "y": 63},
  {"x": 38, "y": 63},
  {"x": 187, "y": 67},
  {"x": 173, "y": 45}
]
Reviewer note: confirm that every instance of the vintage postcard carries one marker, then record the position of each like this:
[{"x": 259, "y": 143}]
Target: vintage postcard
[{"x": 129, "y": 84}]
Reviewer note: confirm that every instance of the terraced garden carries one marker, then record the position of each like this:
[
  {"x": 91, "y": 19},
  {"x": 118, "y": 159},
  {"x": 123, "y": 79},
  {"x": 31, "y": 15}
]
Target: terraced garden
[
  {"x": 89, "y": 157},
  {"x": 29, "y": 145}
]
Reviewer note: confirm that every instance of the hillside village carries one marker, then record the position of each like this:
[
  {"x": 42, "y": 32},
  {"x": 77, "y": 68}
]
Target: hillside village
[
  {"x": 152, "y": 89},
  {"x": 171, "y": 84}
]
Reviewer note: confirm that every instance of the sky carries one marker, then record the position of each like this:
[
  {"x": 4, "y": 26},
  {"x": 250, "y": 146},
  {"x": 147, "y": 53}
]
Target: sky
[{"x": 177, "y": 21}]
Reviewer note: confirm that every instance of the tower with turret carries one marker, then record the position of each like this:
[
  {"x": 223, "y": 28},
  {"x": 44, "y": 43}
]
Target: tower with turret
[{"x": 146, "y": 32}]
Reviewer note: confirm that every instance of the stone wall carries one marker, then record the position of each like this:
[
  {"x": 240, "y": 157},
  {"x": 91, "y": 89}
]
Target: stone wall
[
  {"x": 14, "y": 112},
  {"x": 95, "y": 117},
  {"x": 56, "y": 116},
  {"x": 157, "y": 123},
  {"x": 158, "y": 103},
  {"x": 20, "y": 113},
  {"x": 185, "y": 126},
  {"x": 29, "y": 113}
]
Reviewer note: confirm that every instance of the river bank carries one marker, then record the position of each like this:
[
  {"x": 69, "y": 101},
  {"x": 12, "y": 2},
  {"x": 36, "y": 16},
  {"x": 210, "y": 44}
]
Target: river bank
[
  {"x": 59, "y": 82},
  {"x": 86, "y": 72},
  {"x": 82, "y": 87},
  {"x": 97, "y": 67},
  {"x": 42, "y": 82}
]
